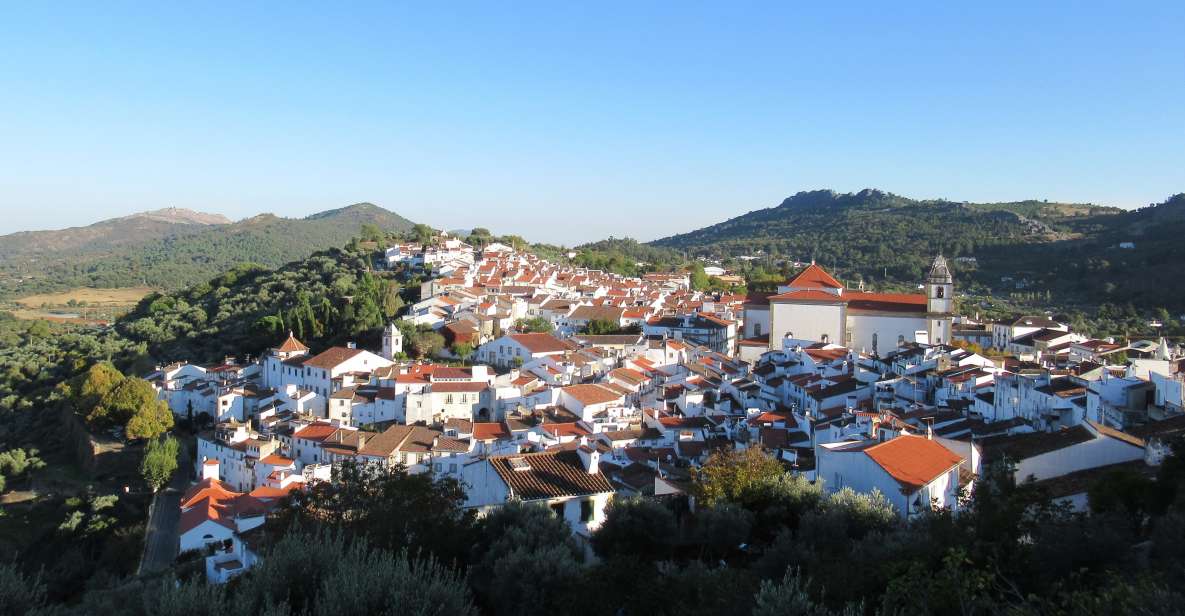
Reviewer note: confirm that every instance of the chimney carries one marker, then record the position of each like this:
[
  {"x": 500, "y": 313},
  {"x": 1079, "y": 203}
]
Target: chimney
[
  {"x": 590, "y": 458},
  {"x": 351, "y": 345},
  {"x": 929, "y": 428},
  {"x": 210, "y": 470}
]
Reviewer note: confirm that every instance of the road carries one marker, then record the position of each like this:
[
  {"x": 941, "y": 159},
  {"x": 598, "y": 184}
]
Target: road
[{"x": 161, "y": 537}]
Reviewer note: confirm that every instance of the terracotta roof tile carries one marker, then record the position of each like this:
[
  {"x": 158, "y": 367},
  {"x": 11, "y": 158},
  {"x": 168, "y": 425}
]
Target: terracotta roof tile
[
  {"x": 291, "y": 345},
  {"x": 549, "y": 475},
  {"x": 813, "y": 277},
  {"x": 913, "y": 461}
]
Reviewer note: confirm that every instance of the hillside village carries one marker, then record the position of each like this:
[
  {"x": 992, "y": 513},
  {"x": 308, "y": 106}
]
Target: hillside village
[{"x": 847, "y": 387}]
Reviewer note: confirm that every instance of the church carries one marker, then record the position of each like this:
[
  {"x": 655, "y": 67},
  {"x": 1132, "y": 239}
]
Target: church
[{"x": 814, "y": 306}]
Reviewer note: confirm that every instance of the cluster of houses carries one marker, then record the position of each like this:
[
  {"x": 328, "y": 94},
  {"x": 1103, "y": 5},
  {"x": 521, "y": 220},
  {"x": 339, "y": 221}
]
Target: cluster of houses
[{"x": 855, "y": 389}]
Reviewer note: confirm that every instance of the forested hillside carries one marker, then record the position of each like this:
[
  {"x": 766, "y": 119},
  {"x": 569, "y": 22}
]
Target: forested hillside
[
  {"x": 1125, "y": 259},
  {"x": 106, "y": 235},
  {"x": 199, "y": 253},
  {"x": 865, "y": 232},
  {"x": 330, "y": 296},
  {"x": 1072, "y": 253}
]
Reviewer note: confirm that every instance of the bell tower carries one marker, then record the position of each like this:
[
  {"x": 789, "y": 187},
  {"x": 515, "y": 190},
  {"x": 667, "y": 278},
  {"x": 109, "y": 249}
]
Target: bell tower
[
  {"x": 392, "y": 341},
  {"x": 940, "y": 302}
]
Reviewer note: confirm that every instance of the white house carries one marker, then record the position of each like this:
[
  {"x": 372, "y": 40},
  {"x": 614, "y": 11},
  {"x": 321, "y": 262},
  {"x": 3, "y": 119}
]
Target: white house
[
  {"x": 569, "y": 482},
  {"x": 914, "y": 473},
  {"x": 1045, "y": 455},
  {"x": 517, "y": 349}
]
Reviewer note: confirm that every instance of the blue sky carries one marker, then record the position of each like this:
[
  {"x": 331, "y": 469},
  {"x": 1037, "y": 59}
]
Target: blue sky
[{"x": 567, "y": 123}]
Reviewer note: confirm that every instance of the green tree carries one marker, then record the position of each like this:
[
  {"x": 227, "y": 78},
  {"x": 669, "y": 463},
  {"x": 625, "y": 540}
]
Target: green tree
[
  {"x": 371, "y": 232},
  {"x": 464, "y": 350},
  {"x": 16, "y": 462},
  {"x": 699, "y": 279},
  {"x": 426, "y": 343},
  {"x": 392, "y": 301},
  {"x": 723, "y": 528},
  {"x": 389, "y": 507},
  {"x": 98, "y": 381},
  {"x": 19, "y": 594},
  {"x": 151, "y": 421},
  {"x": 602, "y": 326},
  {"x": 537, "y": 325},
  {"x": 526, "y": 541},
  {"x": 636, "y": 528},
  {"x": 423, "y": 234},
  {"x": 728, "y": 474},
  {"x": 319, "y": 572},
  {"x": 160, "y": 462},
  {"x": 123, "y": 402},
  {"x": 789, "y": 597}
]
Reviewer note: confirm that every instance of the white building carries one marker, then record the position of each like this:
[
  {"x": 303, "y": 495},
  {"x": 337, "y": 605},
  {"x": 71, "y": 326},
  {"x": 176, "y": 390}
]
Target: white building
[
  {"x": 815, "y": 306},
  {"x": 914, "y": 473},
  {"x": 517, "y": 349},
  {"x": 569, "y": 482}
]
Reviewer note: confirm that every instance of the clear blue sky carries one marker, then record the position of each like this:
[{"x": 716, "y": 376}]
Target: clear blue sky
[{"x": 569, "y": 123}]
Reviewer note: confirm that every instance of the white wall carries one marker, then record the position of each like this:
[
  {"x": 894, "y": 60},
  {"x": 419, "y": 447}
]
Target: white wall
[
  {"x": 754, "y": 317},
  {"x": 1094, "y": 453},
  {"x": 855, "y": 470},
  {"x": 197, "y": 539},
  {"x": 806, "y": 321},
  {"x": 887, "y": 329}
]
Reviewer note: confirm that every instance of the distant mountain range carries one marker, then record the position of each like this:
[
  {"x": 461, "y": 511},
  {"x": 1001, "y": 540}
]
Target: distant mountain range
[
  {"x": 106, "y": 235},
  {"x": 1079, "y": 252},
  {"x": 172, "y": 248}
]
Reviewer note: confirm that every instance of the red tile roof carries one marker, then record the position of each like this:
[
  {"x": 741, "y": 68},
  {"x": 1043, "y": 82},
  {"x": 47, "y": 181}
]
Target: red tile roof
[
  {"x": 541, "y": 343},
  {"x": 208, "y": 488},
  {"x": 888, "y": 302},
  {"x": 291, "y": 345},
  {"x": 332, "y": 357},
  {"x": 591, "y": 394},
  {"x": 813, "y": 277},
  {"x": 549, "y": 475},
  {"x": 449, "y": 387},
  {"x": 318, "y": 431},
  {"x": 807, "y": 295},
  {"x": 565, "y": 429},
  {"x": 488, "y": 431},
  {"x": 628, "y": 374},
  {"x": 913, "y": 461}
]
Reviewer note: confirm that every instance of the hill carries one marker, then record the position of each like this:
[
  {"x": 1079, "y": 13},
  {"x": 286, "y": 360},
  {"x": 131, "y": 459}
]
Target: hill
[
  {"x": 106, "y": 235},
  {"x": 1079, "y": 253},
  {"x": 170, "y": 249},
  {"x": 1120, "y": 259},
  {"x": 863, "y": 233}
]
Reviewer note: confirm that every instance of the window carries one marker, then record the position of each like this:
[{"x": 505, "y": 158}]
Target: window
[
  {"x": 757, "y": 329},
  {"x": 586, "y": 511},
  {"x": 939, "y": 291},
  {"x": 558, "y": 509}
]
